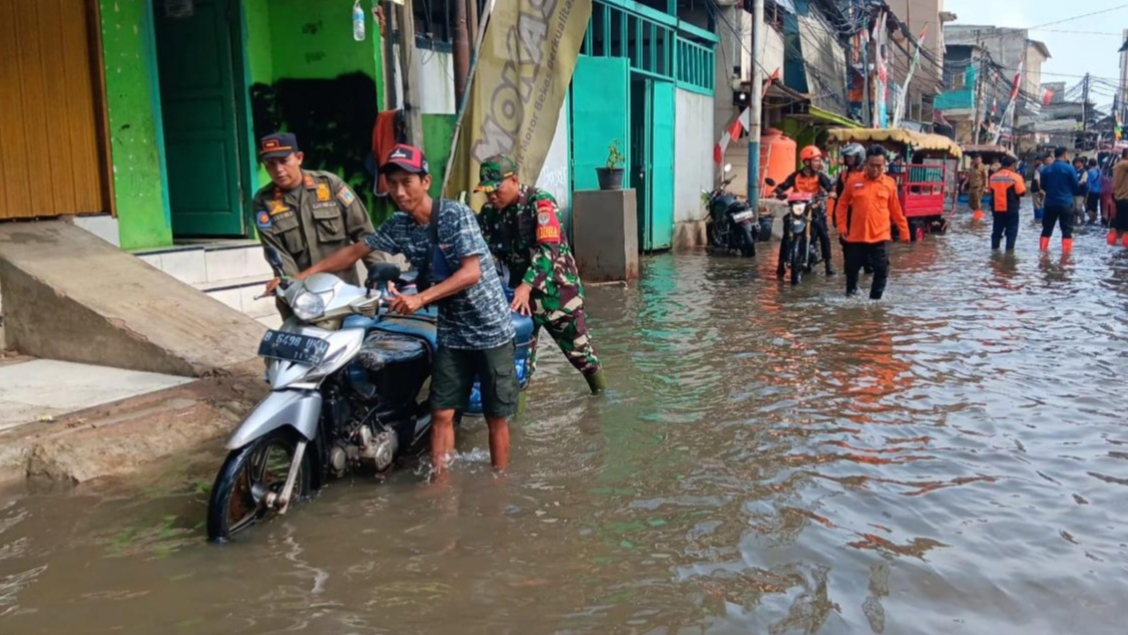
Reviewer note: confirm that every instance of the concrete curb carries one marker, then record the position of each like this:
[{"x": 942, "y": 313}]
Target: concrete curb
[{"x": 121, "y": 437}]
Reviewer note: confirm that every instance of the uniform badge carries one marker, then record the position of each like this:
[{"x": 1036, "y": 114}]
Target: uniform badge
[
  {"x": 323, "y": 194},
  {"x": 548, "y": 225},
  {"x": 309, "y": 182},
  {"x": 346, "y": 196},
  {"x": 278, "y": 206},
  {"x": 262, "y": 219}
]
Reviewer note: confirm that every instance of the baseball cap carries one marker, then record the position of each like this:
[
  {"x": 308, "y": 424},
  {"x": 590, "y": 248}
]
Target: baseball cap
[
  {"x": 493, "y": 171},
  {"x": 407, "y": 158},
  {"x": 277, "y": 146}
]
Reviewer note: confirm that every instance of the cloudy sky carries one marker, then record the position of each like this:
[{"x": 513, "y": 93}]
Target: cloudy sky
[{"x": 1078, "y": 43}]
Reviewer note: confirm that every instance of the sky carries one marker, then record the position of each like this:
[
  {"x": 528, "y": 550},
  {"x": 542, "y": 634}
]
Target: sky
[{"x": 1077, "y": 46}]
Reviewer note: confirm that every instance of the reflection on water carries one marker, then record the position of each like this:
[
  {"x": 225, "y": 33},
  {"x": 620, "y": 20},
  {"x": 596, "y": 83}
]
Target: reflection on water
[{"x": 770, "y": 460}]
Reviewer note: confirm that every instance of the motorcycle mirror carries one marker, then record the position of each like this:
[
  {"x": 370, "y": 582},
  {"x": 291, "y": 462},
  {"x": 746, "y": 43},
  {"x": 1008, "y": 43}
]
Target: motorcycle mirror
[
  {"x": 770, "y": 181},
  {"x": 728, "y": 168},
  {"x": 382, "y": 272}
]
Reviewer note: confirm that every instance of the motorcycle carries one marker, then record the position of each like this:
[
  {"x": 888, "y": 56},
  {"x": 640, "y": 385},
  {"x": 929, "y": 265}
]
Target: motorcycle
[
  {"x": 801, "y": 252},
  {"x": 731, "y": 225},
  {"x": 349, "y": 389}
]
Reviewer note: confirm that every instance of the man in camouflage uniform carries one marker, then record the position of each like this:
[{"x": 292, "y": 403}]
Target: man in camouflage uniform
[
  {"x": 523, "y": 229},
  {"x": 305, "y": 215}
]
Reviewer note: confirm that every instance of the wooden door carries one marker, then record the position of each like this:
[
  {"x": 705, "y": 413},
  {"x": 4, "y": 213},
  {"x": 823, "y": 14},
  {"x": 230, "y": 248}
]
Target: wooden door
[{"x": 53, "y": 156}]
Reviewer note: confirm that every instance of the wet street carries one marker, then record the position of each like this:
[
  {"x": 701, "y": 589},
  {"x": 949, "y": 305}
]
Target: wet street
[{"x": 953, "y": 459}]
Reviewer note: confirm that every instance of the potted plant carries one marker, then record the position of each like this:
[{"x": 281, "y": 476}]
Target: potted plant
[{"x": 611, "y": 176}]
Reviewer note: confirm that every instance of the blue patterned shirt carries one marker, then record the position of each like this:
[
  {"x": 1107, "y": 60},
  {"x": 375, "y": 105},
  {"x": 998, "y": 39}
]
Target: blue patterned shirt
[{"x": 475, "y": 319}]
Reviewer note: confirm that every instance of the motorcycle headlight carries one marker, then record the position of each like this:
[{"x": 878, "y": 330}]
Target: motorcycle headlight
[{"x": 308, "y": 306}]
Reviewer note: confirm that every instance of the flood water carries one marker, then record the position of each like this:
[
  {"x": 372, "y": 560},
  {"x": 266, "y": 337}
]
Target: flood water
[{"x": 771, "y": 460}]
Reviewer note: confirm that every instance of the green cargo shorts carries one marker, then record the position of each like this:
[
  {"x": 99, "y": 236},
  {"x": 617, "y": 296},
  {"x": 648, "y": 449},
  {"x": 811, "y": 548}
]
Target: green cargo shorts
[{"x": 454, "y": 371}]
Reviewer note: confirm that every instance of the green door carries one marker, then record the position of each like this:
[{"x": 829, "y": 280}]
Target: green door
[
  {"x": 198, "y": 102},
  {"x": 600, "y": 106},
  {"x": 652, "y": 155}
]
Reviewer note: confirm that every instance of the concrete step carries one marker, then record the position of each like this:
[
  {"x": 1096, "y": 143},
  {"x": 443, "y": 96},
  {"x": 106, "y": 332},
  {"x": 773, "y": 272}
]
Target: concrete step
[{"x": 212, "y": 263}]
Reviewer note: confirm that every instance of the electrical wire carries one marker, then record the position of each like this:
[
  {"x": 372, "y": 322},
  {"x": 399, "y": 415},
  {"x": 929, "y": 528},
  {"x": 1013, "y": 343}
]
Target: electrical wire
[{"x": 1078, "y": 17}]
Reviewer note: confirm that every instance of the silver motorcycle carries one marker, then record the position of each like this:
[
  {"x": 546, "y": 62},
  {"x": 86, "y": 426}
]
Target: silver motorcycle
[{"x": 349, "y": 387}]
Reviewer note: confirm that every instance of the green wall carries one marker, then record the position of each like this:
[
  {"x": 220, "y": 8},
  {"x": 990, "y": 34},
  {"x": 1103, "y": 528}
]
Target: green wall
[
  {"x": 136, "y": 136},
  {"x": 312, "y": 39}
]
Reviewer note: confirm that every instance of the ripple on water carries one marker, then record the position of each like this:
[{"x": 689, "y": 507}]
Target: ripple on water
[{"x": 768, "y": 459}]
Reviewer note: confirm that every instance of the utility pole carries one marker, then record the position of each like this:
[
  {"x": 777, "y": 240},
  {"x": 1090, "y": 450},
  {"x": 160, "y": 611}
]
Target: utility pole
[
  {"x": 405, "y": 22},
  {"x": 755, "y": 106},
  {"x": 388, "y": 12},
  {"x": 1085, "y": 105}
]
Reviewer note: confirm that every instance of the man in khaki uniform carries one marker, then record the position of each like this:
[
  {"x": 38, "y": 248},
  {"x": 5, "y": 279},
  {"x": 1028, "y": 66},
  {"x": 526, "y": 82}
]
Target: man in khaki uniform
[
  {"x": 306, "y": 215},
  {"x": 976, "y": 185}
]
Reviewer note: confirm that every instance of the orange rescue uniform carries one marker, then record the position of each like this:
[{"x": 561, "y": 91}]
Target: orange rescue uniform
[{"x": 874, "y": 207}]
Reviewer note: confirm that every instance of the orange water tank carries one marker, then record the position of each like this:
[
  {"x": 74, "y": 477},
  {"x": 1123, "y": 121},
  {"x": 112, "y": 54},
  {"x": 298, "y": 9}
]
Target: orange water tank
[{"x": 777, "y": 156}]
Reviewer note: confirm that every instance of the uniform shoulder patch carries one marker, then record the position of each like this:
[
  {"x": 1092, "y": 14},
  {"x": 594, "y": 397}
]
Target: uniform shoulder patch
[
  {"x": 548, "y": 225},
  {"x": 263, "y": 220},
  {"x": 346, "y": 196}
]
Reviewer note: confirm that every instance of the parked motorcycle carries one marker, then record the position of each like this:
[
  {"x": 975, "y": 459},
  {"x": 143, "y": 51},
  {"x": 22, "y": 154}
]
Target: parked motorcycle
[
  {"x": 731, "y": 225},
  {"x": 801, "y": 252},
  {"x": 350, "y": 386}
]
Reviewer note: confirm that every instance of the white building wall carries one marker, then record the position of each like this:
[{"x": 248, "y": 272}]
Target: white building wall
[
  {"x": 436, "y": 82},
  {"x": 554, "y": 176},
  {"x": 693, "y": 153}
]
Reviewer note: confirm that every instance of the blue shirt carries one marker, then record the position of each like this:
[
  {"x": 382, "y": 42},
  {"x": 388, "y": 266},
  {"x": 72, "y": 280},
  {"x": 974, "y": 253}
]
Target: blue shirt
[
  {"x": 1060, "y": 183},
  {"x": 479, "y": 317},
  {"x": 1095, "y": 181}
]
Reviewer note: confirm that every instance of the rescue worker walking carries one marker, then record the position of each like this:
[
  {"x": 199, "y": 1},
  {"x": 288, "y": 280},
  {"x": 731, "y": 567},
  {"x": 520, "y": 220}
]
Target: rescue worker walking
[
  {"x": 1061, "y": 183},
  {"x": 524, "y": 230},
  {"x": 809, "y": 180},
  {"x": 306, "y": 215},
  {"x": 875, "y": 208},
  {"x": 976, "y": 185},
  {"x": 1006, "y": 188}
]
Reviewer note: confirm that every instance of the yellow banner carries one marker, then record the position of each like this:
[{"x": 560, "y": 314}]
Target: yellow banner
[{"x": 524, "y": 68}]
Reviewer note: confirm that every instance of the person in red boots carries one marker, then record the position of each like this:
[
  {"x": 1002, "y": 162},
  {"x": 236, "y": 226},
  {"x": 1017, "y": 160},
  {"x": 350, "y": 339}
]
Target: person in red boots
[
  {"x": 1060, "y": 183},
  {"x": 1118, "y": 224}
]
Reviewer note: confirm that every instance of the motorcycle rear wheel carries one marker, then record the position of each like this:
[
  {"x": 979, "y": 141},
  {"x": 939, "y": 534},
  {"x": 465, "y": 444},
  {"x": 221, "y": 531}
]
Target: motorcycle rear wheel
[{"x": 249, "y": 473}]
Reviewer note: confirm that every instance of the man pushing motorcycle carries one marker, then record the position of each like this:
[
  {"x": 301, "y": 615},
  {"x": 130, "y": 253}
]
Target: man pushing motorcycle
[
  {"x": 441, "y": 239},
  {"x": 809, "y": 180}
]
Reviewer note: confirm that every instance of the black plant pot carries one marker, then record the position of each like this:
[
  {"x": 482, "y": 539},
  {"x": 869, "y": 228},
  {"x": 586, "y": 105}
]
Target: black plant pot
[{"x": 610, "y": 178}]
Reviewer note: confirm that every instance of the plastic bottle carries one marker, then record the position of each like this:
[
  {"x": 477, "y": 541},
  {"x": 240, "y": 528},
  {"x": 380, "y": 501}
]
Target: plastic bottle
[{"x": 358, "y": 21}]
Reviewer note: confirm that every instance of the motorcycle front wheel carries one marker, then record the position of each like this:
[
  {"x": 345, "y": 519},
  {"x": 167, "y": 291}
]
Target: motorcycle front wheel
[
  {"x": 238, "y": 497},
  {"x": 797, "y": 260}
]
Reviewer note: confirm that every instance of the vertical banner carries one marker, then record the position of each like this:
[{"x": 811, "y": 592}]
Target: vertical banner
[{"x": 521, "y": 76}]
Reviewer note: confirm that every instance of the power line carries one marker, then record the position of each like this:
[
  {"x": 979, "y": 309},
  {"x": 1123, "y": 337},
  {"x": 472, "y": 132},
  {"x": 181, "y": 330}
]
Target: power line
[{"x": 1078, "y": 17}]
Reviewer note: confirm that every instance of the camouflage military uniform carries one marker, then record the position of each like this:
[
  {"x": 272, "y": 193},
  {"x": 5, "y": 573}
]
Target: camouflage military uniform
[{"x": 528, "y": 238}]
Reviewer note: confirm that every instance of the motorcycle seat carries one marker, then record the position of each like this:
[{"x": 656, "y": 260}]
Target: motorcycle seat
[{"x": 381, "y": 348}]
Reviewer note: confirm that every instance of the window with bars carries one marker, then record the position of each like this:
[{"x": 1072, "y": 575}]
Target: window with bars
[
  {"x": 652, "y": 43},
  {"x": 434, "y": 23}
]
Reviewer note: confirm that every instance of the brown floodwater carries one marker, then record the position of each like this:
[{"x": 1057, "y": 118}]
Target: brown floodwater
[{"x": 777, "y": 460}]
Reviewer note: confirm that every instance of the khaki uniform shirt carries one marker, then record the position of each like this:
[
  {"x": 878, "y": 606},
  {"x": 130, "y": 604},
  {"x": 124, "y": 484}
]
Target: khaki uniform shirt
[
  {"x": 977, "y": 176},
  {"x": 313, "y": 221}
]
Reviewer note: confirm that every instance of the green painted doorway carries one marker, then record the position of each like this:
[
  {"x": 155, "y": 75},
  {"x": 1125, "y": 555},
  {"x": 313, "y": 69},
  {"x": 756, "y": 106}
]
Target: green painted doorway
[
  {"x": 652, "y": 158},
  {"x": 198, "y": 54},
  {"x": 600, "y": 106}
]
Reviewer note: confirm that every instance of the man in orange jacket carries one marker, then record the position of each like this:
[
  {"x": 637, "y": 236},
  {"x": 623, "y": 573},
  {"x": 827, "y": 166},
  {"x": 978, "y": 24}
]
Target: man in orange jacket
[
  {"x": 875, "y": 207},
  {"x": 1006, "y": 187}
]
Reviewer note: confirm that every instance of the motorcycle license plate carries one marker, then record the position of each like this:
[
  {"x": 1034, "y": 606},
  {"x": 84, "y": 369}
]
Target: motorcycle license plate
[
  {"x": 743, "y": 216},
  {"x": 292, "y": 347}
]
